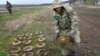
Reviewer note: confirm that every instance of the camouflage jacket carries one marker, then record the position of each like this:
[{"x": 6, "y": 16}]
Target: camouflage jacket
[
  {"x": 70, "y": 21},
  {"x": 8, "y": 6}
]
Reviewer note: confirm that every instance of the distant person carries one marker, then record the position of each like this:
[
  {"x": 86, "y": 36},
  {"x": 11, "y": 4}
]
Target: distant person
[
  {"x": 66, "y": 22},
  {"x": 9, "y": 7}
]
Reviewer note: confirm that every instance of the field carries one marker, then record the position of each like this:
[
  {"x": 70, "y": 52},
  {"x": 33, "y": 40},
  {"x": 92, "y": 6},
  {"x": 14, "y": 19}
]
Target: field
[
  {"x": 40, "y": 19},
  {"x": 8, "y": 26}
]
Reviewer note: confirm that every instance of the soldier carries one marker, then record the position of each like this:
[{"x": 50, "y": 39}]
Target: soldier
[
  {"x": 66, "y": 22},
  {"x": 9, "y": 7}
]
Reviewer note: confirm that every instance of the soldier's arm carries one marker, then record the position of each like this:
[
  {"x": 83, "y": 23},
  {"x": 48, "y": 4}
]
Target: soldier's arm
[
  {"x": 55, "y": 22},
  {"x": 74, "y": 19}
]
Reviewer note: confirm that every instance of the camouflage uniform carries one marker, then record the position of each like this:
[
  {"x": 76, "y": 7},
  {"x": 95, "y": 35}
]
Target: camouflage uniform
[
  {"x": 9, "y": 7},
  {"x": 68, "y": 25}
]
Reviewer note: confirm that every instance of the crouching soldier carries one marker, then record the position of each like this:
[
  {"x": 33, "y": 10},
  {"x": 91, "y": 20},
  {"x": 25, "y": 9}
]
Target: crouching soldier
[
  {"x": 9, "y": 7},
  {"x": 66, "y": 22}
]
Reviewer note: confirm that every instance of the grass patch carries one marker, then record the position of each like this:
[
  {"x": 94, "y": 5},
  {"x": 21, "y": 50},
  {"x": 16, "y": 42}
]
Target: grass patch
[
  {"x": 5, "y": 40},
  {"x": 6, "y": 16}
]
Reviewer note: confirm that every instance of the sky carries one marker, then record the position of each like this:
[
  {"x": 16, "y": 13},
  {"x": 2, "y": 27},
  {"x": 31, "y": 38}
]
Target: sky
[{"x": 27, "y": 1}]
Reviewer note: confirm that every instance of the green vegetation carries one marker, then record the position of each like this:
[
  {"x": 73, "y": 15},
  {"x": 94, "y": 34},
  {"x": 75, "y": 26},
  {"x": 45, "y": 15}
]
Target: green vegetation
[{"x": 16, "y": 14}]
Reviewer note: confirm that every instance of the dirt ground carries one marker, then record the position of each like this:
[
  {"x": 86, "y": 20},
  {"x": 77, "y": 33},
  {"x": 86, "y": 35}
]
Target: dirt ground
[{"x": 90, "y": 30}]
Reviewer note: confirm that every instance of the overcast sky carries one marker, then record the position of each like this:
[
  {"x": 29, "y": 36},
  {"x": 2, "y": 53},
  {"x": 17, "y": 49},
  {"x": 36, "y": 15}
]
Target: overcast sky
[{"x": 27, "y": 1}]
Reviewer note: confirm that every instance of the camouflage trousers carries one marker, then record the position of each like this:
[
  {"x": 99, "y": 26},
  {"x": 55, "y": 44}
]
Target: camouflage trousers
[{"x": 74, "y": 38}]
